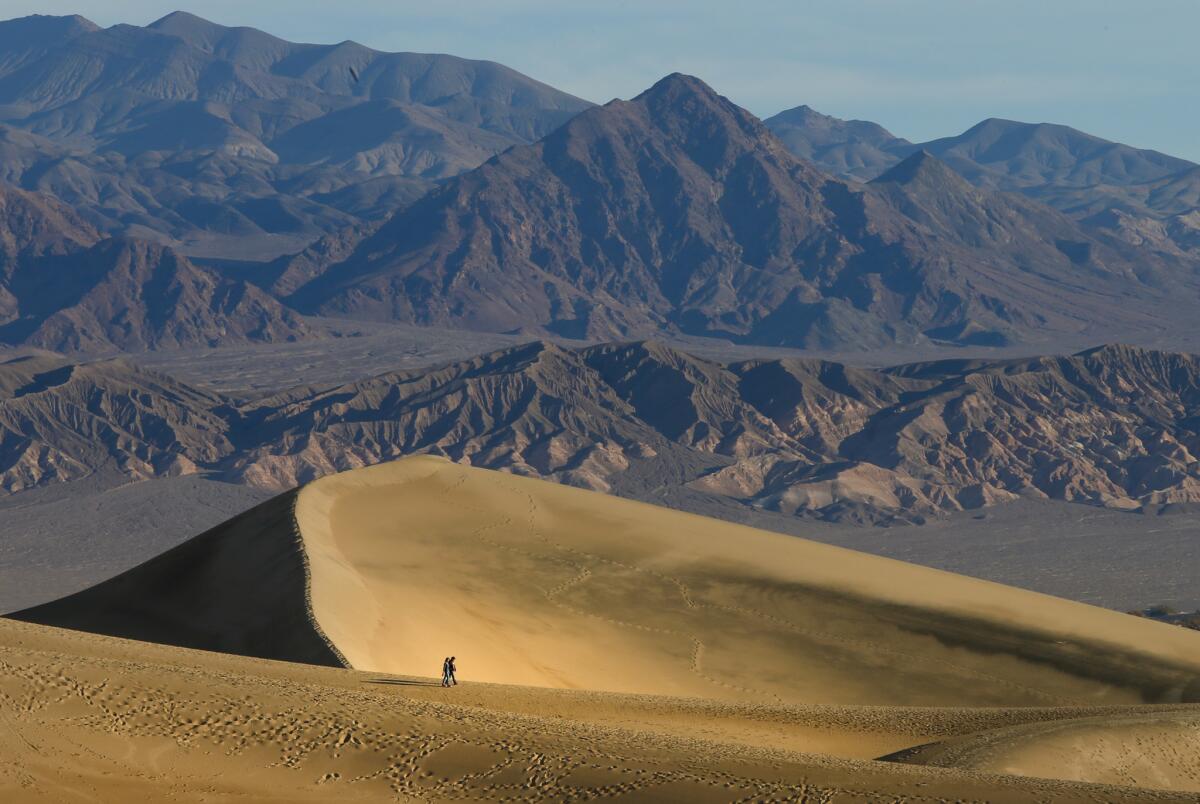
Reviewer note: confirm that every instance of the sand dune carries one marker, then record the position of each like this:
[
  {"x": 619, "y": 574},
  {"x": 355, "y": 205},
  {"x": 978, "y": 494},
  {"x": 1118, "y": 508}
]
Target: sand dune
[
  {"x": 238, "y": 588},
  {"x": 92, "y": 718},
  {"x": 663, "y": 656},
  {"x": 533, "y": 583},
  {"x": 1151, "y": 749}
]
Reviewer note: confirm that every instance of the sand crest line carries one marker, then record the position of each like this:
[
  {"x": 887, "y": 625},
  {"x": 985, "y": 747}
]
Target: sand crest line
[{"x": 308, "y": 600}]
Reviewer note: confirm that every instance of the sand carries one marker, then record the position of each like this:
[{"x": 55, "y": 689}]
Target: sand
[
  {"x": 607, "y": 649},
  {"x": 528, "y": 582},
  {"x": 92, "y": 718},
  {"x": 1151, "y": 749}
]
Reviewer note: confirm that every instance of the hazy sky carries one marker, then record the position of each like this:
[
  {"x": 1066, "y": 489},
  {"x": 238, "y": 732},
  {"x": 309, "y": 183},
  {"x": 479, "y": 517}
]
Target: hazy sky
[{"x": 1127, "y": 71}]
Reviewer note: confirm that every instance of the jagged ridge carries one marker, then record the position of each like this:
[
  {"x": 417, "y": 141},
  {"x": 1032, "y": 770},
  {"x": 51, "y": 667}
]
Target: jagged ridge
[{"x": 1114, "y": 426}]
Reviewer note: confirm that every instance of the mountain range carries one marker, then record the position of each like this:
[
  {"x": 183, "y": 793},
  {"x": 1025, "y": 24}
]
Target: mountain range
[
  {"x": 189, "y": 184},
  {"x": 1114, "y": 426},
  {"x": 1147, "y": 197},
  {"x": 64, "y": 286},
  {"x": 219, "y": 137},
  {"x": 680, "y": 213}
]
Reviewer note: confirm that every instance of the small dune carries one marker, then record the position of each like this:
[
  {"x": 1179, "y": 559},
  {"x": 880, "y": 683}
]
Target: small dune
[{"x": 1156, "y": 750}]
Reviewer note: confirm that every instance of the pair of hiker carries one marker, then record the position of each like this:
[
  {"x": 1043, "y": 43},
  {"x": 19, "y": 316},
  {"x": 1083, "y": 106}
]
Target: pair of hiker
[{"x": 448, "y": 669}]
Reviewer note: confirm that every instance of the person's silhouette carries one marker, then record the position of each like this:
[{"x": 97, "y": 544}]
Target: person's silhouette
[
  {"x": 446, "y": 672},
  {"x": 450, "y": 674}
]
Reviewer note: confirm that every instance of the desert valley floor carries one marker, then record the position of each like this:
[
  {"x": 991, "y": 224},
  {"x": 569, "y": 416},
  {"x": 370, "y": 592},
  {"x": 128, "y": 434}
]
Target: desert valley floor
[{"x": 608, "y": 650}]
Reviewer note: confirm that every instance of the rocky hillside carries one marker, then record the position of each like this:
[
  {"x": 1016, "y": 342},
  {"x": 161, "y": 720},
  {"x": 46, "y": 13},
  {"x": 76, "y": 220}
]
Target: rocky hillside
[
  {"x": 61, "y": 422},
  {"x": 1115, "y": 426},
  {"x": 64, "y": 288},
  {"x": 202, "y": 133},
  {"x": 680, "y": 213}
]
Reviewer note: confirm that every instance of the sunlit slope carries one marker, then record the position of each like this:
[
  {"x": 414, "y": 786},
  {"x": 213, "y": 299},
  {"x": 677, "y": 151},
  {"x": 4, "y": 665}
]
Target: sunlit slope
[{"x": 529, "y": 582}]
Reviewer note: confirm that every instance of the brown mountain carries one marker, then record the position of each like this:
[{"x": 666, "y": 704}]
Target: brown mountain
[
  {"x": 132, "y": 295},
  {"x": 1115, "y": 426},
  {"x": 63, "y": 288},
  {"x": 34, "y": 225},
  {"x": 679, "y": 212},
  {"x": 61, "y": 421},
  {"x": 1071, "y": 170}
]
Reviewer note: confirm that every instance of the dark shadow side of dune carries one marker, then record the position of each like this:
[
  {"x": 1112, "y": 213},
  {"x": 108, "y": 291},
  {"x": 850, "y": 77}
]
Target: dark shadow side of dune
[{"x": 241, "y": 587}]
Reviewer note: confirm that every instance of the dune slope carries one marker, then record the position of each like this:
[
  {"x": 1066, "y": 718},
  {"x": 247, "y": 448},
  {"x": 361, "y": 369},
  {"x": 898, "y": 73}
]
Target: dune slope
[
  {"x": 1156, "y": 750},
  {"x": 528, "y": 582},
  {"x": 238, "y": 588},
  {"x": 393, "y": 567}
]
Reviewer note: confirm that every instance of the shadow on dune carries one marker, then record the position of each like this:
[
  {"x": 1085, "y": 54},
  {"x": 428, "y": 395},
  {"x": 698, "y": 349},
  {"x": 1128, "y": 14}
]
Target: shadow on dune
[{"x": 402, "y": 682}]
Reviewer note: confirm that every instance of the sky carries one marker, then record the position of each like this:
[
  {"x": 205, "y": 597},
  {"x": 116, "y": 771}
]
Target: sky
[{"x": 1126, "y": 71}]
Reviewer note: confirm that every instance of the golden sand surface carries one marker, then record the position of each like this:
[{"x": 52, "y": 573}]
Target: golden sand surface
[
  {"x": 607, "y": 650},
  {"x": 529, "y": 582},
  {"x": 1152, "y": 749},
  {"x": 93, "y": 718}
]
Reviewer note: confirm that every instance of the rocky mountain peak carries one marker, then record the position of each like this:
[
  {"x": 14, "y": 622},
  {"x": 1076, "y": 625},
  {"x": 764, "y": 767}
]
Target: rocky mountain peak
[
  {"x": 43, "y": 29},
  {"x": 681, "y": 102},
  {"x": 182, "y": 22},
  {"x": 801, "y": 114},
  {"x": 924, "y": 169}
]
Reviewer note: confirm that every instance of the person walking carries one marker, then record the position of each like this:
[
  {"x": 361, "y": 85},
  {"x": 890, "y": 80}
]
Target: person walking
[
  {"x": 446, "y": 672},
  {"x": 450, "y": 672}
]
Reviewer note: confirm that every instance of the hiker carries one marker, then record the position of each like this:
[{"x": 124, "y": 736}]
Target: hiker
[
  {"x": 450, "y": 668},
  {"x": 447, "y": 673}
]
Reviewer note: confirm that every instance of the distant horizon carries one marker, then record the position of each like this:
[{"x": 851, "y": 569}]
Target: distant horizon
[{"x": 909, "y": 70}]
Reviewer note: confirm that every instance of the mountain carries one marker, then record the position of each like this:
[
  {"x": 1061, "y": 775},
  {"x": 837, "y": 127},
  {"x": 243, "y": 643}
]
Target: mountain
[
  {"x": 1068, "y": 169},
  {"x": 1140, "y": 195},
  {"x": 1035, "y": 157},
  {"x": 64, "y": 287},
  {"x": 1076, "y": 172},
  {"x": 1114, "y": 426},
  {"x": 1111, "y": 186},
  {"x": 34, "y": 225},
  {"x": 680, "y": 213},
  {"x": 131, "y": 295},
  {"x": 853, "y": 149},
  {"x": 62, "y": 421},
  {"x": 199, "y": 132}
]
